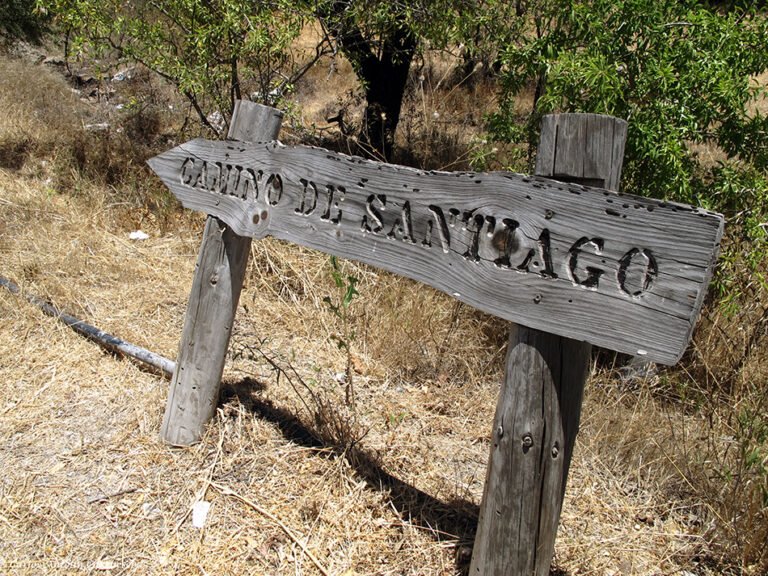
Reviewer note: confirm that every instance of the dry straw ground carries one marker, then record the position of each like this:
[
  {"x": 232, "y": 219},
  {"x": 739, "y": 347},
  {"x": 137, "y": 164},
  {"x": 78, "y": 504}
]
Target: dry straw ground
[{"x": 297, "y": 482}]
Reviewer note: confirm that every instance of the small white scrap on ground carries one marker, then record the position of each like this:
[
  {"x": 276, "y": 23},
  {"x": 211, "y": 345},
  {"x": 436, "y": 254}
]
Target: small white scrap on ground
[
  {"x": 138, "y": 235},
  {"x": 200, "y": 513},
  {"x": 97, "y": 127},
  {"x": 105, "y": 565}
]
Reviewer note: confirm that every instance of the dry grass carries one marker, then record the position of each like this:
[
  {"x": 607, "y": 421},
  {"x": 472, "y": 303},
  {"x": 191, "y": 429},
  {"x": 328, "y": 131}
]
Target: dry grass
[
  {"x": 89, "y": 486},
  {"x": 391, "y": 488}
]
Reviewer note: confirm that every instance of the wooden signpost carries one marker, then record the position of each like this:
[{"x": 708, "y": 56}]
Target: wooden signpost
[
  {"x": 571, "y": 262},
  {"x": 216, "y": 286}
]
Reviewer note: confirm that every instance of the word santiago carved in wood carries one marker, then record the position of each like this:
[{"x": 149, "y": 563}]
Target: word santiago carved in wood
[{"x": 622, "y": 272}]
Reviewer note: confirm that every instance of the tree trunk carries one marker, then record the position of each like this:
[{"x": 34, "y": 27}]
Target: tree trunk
[
  {"x": 382, "y": 65},
  {"x": 385, "y": 80}
]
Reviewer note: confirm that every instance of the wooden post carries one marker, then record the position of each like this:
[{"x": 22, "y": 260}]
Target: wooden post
[
  {"x": 539, "y": 407},
  {"x": 216, "y": 286}
]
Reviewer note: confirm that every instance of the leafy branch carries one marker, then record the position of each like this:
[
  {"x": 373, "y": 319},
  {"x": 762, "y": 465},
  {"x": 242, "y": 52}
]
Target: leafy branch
[{"x": 340, "y": 309}]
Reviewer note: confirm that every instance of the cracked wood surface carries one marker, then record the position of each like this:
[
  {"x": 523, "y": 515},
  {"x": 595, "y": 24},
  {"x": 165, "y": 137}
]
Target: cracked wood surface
[{"x": 619, "y": 271}]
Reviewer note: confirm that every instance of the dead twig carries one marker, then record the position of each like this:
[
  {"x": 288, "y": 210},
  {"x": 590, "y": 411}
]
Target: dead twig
[
  {"x": 105, "y": 497},
  {"x": 228, "y": 492}
]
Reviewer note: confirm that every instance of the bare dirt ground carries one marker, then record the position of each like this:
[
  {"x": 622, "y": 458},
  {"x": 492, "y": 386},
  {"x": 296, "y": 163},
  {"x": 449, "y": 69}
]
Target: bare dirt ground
[{"x": 294, "y": 487}]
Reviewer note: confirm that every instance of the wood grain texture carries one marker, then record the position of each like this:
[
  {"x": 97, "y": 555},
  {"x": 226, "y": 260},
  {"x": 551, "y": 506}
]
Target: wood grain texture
[
  {"x": 539, "y": 408},
  {"x": 590, "y": 149},
  {"x": 622, "y": 272},
  {"x": 215, "y": 292},
  {"x": 535, "y": 425}
]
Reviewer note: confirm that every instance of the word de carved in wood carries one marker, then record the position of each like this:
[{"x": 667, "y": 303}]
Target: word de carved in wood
[{"x": 623, "y": 272}]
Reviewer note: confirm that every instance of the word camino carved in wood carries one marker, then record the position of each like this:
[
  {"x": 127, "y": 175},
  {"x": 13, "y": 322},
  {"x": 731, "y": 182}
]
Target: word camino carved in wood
[{"x": 623, "y": 272}]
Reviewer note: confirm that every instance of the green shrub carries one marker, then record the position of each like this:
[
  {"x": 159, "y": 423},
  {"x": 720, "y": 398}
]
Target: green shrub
[
  {"x": 212, "y": 52},
  {"x": 682, "y": 75}
]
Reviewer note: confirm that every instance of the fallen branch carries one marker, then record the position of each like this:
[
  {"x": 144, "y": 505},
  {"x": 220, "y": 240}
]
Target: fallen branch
[{"x": 107, "y": 341}]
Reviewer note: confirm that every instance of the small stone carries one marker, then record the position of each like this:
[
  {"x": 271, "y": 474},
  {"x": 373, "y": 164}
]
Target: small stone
[{"x": 54, "y": 61}]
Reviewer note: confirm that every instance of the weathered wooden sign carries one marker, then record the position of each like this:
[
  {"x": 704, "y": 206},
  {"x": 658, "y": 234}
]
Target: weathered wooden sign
[{"x": 622, "y": 272}]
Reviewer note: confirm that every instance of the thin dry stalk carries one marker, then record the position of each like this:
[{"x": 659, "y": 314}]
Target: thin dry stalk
[{"x": 228, "y": 492}]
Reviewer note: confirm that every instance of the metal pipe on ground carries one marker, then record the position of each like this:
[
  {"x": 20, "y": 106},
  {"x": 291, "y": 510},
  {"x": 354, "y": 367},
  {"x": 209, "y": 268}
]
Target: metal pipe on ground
[{"x": 107, "y": 341}]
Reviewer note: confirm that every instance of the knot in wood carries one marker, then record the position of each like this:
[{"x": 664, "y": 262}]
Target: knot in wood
[
  {"x": 214, "y": 280},
  {"x": 555, "y": 450},
  {"x": 527, "y": 442}
]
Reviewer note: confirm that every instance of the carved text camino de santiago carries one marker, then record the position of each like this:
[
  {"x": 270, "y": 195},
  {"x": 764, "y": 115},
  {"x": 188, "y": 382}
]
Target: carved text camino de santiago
[
  {"x": 477, "y": 232},
  {"x": 584, "y": 262}
]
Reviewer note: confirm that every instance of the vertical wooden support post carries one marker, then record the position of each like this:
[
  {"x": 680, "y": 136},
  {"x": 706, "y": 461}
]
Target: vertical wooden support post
[
  {"x": 219, "y": 274},
  {"x": 539, "y": 407}
]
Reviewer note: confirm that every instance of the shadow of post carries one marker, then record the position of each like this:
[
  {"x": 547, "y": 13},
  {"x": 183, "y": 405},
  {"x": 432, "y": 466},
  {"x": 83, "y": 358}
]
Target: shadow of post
[{"x": 444, "y": 520}]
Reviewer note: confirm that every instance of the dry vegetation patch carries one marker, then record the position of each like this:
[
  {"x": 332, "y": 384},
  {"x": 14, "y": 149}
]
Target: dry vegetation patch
[{"x": 297, "y": 481}]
